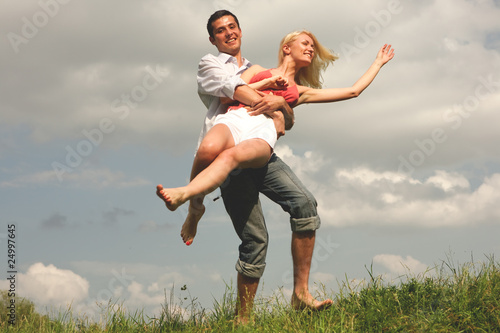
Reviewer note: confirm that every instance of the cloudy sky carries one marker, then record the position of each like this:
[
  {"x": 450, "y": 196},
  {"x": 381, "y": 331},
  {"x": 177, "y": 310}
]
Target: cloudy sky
[{"x": 98, "y": 104}]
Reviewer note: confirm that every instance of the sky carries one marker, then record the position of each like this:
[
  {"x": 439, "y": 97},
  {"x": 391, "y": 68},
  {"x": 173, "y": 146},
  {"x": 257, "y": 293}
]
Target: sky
[{"x": 99, "y": 104}]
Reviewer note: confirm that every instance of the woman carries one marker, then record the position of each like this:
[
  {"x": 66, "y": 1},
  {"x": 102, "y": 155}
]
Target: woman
[{"x": 298, "y": 79}]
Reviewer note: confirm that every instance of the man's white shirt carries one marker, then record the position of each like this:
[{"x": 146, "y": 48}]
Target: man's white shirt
[{"x": 218, "y": 76}]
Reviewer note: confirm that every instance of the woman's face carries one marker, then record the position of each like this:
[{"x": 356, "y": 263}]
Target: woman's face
[{"x": 302, "y": 50}]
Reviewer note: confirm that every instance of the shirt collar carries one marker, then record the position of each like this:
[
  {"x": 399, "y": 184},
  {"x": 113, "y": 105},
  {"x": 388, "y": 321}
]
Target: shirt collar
[{"x": 229, "y": 58}]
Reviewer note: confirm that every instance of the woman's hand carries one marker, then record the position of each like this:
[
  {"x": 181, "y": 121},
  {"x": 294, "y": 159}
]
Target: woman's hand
[
  {"x": 385, "y": 54},
  {"x": 276, "y": 82}
]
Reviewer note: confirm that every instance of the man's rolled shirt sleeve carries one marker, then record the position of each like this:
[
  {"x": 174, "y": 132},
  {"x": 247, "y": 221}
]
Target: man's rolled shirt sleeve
[{"x": 213, "y": 79}]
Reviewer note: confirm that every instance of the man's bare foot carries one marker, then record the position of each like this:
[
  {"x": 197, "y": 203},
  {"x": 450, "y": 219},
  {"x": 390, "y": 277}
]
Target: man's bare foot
[
  {"x": 190, "y": 225},
  {"x": 173, "y": 197},
  {"x": 243, "y": 321},
  {"x": 306, "y": 301}
]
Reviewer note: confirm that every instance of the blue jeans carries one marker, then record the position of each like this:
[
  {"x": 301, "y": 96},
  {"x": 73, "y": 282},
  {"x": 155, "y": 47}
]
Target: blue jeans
[{"x": 241, "y": 199}]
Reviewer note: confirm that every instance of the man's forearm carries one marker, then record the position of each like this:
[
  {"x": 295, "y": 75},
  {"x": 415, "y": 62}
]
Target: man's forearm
[{"x": 246, "y": 95}]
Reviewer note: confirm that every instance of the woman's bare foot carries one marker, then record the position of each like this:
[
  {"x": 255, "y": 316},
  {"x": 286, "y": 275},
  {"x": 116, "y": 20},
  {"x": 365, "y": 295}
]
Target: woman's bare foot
[
  {"x": 173, "y": 197},
  {"x": 306, "y": 301},
  {"x": 190, "y": 225}
]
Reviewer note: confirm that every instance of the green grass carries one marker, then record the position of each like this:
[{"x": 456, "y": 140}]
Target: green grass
[{"x": 446, "y": 299}]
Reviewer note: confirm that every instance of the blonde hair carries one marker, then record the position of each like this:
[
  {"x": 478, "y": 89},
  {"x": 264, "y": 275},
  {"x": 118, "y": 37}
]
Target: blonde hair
[{"x": 311, "y": 75}]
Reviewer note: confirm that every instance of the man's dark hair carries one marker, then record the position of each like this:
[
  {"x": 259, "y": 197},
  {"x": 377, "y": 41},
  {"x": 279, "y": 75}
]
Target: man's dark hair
[{"x": 217, "y": 15}]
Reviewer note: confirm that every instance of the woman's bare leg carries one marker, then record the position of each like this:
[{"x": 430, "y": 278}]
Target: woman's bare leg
[
  {"x": 196, "y": 210},
  {"x": 252, "y": 153},
  {"x": 217, "y": 140}
]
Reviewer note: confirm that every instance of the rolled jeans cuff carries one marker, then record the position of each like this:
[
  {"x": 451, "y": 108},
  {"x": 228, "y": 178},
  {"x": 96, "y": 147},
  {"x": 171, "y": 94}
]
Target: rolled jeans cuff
[
  {"x": 305, "y": 224},
  {"x": 248, "y": 270}
]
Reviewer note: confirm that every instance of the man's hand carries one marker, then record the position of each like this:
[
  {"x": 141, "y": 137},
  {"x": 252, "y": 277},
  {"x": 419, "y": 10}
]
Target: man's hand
[
  {"x": 261, "y": 103},
  {"x": 268, "y": 104}
]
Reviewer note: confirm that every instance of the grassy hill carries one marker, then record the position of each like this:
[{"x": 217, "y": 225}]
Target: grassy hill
[{"x": 445, "y": 299}]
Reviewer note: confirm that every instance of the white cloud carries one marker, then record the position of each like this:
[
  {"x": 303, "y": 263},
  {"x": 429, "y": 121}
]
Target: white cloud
[
  {"x": 52, "y": 286},
  {"x": 322, "y": 278},
  {"x": 448, "y": 181},
  {"x": 397, "y": 265},
  {"x": 122, "y": 285},
  {"x": 215, "y": 277},
  {"x": 138, "y": 298},
  {"x": 303, "y": 166},
  {"x": 366, "y": 176},
  {"x": 144, "y": 277},
  {"x": 153, "y": 287},
  {"x": 361, "y": 196}
]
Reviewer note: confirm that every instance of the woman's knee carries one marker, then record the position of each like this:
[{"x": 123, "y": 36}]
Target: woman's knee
[
  {"x": 229, "y": 158},
  {"x": 208, "y": 151},
  {"x": 252, "y": 153}
]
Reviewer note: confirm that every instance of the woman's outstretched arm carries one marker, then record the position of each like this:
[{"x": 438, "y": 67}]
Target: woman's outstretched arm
[{"x": 310, "y": 95}]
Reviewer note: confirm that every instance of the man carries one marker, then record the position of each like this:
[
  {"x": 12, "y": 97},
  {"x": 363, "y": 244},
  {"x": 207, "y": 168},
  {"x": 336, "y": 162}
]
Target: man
[{"x": 218, "y": 76}]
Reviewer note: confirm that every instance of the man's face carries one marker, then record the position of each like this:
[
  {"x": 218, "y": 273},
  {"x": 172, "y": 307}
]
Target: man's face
[{"x": 227, "y": 35}]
